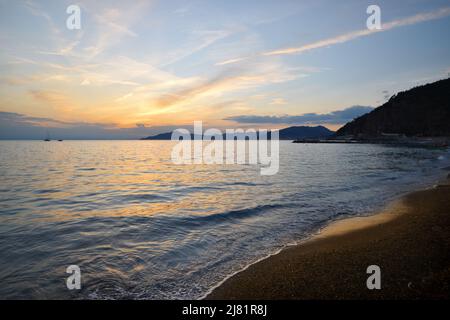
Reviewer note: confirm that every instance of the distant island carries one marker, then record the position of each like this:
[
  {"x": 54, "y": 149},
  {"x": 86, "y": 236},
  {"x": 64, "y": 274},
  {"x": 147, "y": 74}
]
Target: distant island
[{"x": 291, "y": 133}]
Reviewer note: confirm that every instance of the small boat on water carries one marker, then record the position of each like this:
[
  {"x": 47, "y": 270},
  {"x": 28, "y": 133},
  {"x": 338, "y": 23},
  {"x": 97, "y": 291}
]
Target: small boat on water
[{"x": 47, "y": 137}]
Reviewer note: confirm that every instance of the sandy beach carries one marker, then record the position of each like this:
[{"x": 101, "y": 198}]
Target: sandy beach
[{"x": 409, "y": 240}]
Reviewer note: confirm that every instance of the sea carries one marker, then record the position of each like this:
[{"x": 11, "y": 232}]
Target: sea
[{"x": 139, "y": 226}]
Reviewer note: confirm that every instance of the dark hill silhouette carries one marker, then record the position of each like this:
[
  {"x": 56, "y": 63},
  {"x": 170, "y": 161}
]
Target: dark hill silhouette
[
  {"x": 161, "y": 136},
  {"x": 421, "y": 111},
  {"x": 291, "y": 133},
  {"x": 305, "y": 132}
]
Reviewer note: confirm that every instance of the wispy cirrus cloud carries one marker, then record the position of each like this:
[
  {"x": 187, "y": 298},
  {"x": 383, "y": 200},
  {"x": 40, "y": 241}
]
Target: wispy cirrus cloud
[
  {"x": 418, "y": 18},
  {"x": 199, "y": 40},
  {"x": 112, "y": 25},
  {"x": 229, "y": 81},
  {"x": 345, "y": 37},
  {"x": 230, "y": 61},
  {"x": 334, "y": 117},
  {"x": 278, "y": 101},
  {"x": 37, "y": 11}
]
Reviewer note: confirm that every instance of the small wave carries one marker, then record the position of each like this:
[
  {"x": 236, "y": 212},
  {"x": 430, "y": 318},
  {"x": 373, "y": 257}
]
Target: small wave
[
  {"x": 44, "y": 191},
  {"x": 142, "y": 197},
  {"x": 245, "y": 184},
  {"x": 192, "y": 221},
  {"x": 186, "y": 190},
  {"x": 230, "y": 215},
  {"x": 389, "y": 179}
]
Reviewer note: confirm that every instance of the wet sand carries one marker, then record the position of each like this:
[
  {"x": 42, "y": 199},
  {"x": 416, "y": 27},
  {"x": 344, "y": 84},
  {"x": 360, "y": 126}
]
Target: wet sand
[{"x": 409, "y": 240}]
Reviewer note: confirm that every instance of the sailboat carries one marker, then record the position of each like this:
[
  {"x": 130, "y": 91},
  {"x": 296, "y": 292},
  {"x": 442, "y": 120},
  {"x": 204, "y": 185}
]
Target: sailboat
[{"x": 47, "y": 137}]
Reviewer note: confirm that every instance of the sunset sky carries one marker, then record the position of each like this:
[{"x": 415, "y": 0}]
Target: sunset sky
[{"x": 162, "y": 64}]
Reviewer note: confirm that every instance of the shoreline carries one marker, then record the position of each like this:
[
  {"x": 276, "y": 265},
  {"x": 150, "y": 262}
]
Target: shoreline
[{"x": 331, "y": 264}]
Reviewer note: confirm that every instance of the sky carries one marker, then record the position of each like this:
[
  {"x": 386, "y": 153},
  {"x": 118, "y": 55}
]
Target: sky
[{"x": 136, "y": 68}]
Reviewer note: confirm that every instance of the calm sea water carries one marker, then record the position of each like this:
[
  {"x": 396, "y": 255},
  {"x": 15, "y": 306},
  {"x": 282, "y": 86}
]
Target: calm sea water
[{"x": 141, "y": 227}]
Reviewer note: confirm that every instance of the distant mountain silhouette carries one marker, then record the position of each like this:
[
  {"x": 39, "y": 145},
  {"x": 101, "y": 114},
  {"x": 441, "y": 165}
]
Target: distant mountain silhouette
[
  {"x": 421, "y": 111},
  {"x": 291, "y": 133},
  {"x": 304, "y": 132},
  {"x": 161, "y": 136}
]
